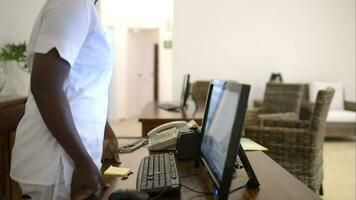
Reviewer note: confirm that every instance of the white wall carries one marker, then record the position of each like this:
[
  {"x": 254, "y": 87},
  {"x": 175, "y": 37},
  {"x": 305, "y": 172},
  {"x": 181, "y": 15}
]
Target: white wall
[
  {"x": 140, "y": 52},
  {"x": 246, "y": 40},
  {"x": 123, "y": 15},
  {"x": 16, "y": 20}
]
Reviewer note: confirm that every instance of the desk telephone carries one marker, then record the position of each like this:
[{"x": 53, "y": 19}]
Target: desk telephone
[{"x": 164, "y": 137}]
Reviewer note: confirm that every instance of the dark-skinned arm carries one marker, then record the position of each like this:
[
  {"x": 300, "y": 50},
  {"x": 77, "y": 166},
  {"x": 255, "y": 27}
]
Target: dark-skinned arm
[{"x": 47, "y": 78}]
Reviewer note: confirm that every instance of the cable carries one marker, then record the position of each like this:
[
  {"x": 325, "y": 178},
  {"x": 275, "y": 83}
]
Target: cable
[
  {"x": 133, "y": 146},
  {"x": 189, "y": 175},
  {"x": 238, "y": 164},
  {"x": 211, "y": 193},
  {"x": 196, "y": 191},
  {"x": 238, "y": 188}
]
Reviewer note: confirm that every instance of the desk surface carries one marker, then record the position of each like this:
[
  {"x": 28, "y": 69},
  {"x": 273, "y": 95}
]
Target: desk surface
[
  {"x": 276, "y": 182},
  {"x": 152, "y": 116},
  {"x": 152, "y": 112}
]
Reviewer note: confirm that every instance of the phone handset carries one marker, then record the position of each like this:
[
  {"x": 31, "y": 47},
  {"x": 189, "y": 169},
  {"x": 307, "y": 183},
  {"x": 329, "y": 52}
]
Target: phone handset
[
  {"x": 169, "y": 125},
  {"x": 165, "y": 136},
  {"x": 192, "y": 125}
]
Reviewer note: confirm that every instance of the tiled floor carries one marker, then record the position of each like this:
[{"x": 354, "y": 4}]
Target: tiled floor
[
  {"x": 339, "y": 169},
  {"x": 339, "y": 161}
]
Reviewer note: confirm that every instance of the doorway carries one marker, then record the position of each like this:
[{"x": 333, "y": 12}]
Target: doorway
[{"x": 142, "y": 63}]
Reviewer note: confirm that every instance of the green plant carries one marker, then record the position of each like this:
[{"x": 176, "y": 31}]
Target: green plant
[{"x": 14, "y": 52}]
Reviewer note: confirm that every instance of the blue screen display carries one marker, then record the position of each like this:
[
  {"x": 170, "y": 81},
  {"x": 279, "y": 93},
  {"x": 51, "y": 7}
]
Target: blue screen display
[{"x": 219, "y": 123}]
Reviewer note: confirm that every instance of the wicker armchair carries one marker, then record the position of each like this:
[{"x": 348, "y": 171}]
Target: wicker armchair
[
  {"x": 200, "y": 92},
  {"x": 281, "y": 101},
  {"x": 298, "y": 145}
]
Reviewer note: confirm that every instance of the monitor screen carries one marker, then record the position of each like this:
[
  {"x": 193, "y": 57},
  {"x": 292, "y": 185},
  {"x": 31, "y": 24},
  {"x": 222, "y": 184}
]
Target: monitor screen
[
  {"x": 185, "y": 91},
  {"x": 223, "y": 119}
]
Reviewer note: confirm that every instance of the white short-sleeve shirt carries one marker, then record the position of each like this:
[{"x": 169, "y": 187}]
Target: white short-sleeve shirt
[{"x": 72, "y": 27}]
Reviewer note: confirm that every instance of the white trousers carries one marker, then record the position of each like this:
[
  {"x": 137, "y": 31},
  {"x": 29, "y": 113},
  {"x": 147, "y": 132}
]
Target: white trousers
[{"x": 58, "y": 191}]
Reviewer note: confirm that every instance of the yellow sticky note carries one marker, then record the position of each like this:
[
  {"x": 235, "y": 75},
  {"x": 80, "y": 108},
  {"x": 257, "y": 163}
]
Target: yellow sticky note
[
  {"x": 250, "y": 145},
  {"x": 117, "y": 171}
]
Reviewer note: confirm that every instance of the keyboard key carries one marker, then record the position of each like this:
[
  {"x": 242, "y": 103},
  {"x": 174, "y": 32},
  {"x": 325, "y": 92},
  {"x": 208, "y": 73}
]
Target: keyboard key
[
  {"x": 150, "y": 178},
  {"x": 161, "y": 176},
  {"x": 175, "y": 182},
  {"x": 149, "y": 184},
  {"x": 168, "y": 182},
  {"x": 159, "y": 173}
]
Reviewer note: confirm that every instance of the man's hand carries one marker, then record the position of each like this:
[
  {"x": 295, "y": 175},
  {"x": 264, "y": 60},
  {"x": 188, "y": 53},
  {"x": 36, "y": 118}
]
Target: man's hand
[{"x": 87, "y": 182}]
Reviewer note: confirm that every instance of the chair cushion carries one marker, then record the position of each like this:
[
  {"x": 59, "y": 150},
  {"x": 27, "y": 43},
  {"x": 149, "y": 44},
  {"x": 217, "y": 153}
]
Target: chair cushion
[
  {"x": 341, "y": 116},
  {"x": 338, "y": 99}
]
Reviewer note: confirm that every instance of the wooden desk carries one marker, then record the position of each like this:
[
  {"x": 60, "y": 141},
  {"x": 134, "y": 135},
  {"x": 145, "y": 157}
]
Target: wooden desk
[
  {"x": 152, "y": 116},
  {"x": 11, "y": 111},
  {"x": 276, "y": 182}
]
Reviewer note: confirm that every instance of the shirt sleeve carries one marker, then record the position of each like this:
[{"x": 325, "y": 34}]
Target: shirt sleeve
[{"x": 64, "y": 26}]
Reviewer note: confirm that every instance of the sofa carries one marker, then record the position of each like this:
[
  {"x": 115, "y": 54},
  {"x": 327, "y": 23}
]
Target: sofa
[{"x": 341, "y": 120}]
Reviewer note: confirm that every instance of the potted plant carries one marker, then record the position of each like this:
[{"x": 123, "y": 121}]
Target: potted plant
[{"x": 13, "y": 54}]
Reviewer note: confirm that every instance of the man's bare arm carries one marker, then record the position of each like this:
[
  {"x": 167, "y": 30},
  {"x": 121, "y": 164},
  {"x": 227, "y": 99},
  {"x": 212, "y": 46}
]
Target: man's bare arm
[
  {"x": 48, "y": 75},
  {"x": 47, "y": 78}
]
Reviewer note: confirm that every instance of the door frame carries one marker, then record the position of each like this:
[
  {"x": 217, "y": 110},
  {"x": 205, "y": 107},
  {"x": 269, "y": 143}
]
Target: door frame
[{"x": 156, "y": 73}]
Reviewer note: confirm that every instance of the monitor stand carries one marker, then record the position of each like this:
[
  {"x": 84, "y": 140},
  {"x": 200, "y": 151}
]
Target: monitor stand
[{"x": 252, "y": 182}]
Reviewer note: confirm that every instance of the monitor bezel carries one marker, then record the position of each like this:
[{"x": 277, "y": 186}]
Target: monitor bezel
[
  {"x": 229, "y": 167},
  {"x": 185, "y": 91}
]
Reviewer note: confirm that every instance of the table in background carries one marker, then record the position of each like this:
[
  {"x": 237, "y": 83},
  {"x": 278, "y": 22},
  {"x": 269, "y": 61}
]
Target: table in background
[
  {"x": 152, "y": 116},
  {"x": 11, "y": 111},
  {"x": 276, "y": 182}
]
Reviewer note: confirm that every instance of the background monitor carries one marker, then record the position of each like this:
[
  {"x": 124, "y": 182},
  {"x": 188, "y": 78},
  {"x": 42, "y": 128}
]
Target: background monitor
[
  {"x": 223, "y": 120},
  {"x": 185, "y": 91}
]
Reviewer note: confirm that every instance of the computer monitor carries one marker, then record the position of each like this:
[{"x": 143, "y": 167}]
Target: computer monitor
[
  {"x": 183, "y": 98},
  {"x": 222, "y": 124},
  {"x": 185, "y": 91}
]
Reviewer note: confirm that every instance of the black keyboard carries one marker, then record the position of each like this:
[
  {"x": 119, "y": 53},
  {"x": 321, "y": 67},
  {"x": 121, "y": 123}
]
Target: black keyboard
[{"x": 158, "y": 173}]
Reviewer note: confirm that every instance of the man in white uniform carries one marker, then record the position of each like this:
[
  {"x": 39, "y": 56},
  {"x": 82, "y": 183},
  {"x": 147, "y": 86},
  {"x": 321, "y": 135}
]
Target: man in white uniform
[{"x": 59, "y": 140}]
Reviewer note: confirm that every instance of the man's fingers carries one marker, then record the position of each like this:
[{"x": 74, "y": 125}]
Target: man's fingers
[
  {"x": 92, "y": 197},
  {"x": 84, "y": 194},
  {"x": 104, "y": 184}
]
